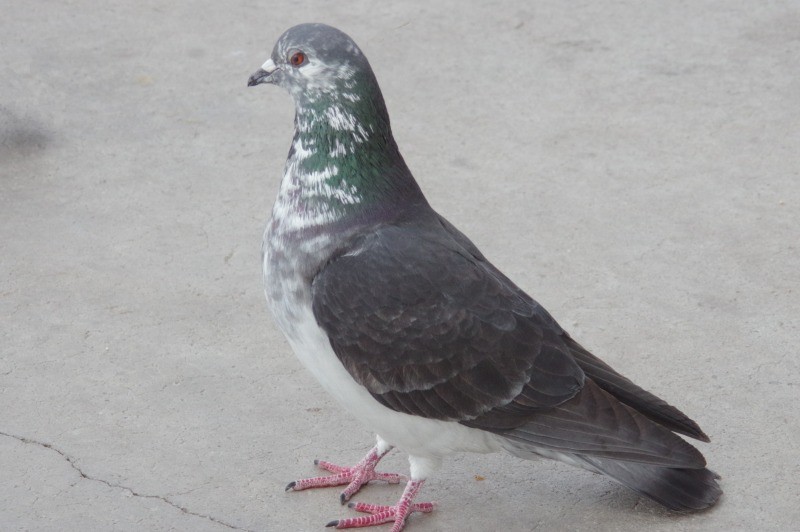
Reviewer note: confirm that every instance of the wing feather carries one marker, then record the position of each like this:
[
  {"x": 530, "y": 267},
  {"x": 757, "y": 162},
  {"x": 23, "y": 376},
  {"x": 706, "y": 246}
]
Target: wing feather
[{"x": 429, "y": 330}]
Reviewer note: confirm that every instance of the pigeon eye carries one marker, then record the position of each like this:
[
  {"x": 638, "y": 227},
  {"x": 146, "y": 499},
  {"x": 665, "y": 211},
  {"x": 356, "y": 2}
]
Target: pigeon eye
[{"x": 297, "y": 59}]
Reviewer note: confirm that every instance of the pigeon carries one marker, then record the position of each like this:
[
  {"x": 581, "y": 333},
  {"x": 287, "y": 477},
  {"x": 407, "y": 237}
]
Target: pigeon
[{"x": 415, "y": 332}]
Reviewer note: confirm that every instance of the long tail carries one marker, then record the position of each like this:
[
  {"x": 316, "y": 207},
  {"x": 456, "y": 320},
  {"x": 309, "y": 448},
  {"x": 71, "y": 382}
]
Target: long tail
[
  {"x": 597, "y": 431},
  {"x": 678, "y": 489}
]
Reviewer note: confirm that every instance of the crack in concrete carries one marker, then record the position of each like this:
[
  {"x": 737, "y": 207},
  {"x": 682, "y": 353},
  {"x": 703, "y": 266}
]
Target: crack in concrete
[{"x": 134, "y": 493}]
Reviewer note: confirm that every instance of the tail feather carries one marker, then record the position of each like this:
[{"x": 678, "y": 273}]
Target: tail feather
[
  {"x": 597, "y": 431},
  {"x": 681, "y": 490},
  {"x": 595, "y": 423}
]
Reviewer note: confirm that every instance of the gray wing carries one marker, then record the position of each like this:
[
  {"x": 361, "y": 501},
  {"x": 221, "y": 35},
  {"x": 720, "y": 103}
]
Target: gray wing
[
  {"x": 595, "y": 369},
  {"x": 429, "y": 331},
  {"x": 430, "y": 328}
]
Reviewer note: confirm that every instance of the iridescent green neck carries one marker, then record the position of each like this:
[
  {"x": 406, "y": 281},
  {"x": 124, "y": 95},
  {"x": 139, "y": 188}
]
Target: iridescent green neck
[{"x": 343, "y": 157}]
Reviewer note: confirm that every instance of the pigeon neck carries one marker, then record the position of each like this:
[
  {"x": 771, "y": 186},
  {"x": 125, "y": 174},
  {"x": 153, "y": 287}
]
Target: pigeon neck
[{"x": 344, "y": 162}]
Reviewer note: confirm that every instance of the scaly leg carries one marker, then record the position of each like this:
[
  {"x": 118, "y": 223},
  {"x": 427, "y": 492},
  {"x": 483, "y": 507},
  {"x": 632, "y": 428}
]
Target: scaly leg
[
  {"x": 354, "y": 477},
  {"x": 385, "y": 514}
]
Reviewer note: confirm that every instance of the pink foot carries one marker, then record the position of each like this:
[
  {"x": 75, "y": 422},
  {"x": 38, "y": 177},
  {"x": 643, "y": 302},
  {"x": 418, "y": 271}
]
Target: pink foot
[
  {"x": 354, "y": 477},
  {"x": 387, "y": 514}
]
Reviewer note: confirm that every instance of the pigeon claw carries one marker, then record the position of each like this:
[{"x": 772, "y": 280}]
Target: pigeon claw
[
  {"x": 380, "y": 514},
  {"x": 353, "y": 477}
]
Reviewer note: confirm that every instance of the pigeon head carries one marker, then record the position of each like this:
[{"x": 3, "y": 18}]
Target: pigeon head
[
  {"x": 317, "y": 63},
  {"x": 344, "y": 162}
]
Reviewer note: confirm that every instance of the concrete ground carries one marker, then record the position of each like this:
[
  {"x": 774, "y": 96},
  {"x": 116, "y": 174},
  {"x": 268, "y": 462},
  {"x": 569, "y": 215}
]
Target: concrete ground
[{"x": 634, "y": 165}]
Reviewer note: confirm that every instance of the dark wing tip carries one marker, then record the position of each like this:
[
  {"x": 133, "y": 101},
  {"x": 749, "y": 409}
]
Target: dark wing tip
[{"x": 634, "y": 396}]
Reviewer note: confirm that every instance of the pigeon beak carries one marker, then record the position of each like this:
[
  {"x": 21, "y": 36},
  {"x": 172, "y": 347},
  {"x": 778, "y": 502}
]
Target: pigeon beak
[{"x": 262, "y": 75}]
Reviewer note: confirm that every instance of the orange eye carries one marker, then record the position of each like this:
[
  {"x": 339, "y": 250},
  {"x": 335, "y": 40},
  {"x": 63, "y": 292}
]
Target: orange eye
[{"x": 297, "y": 59}]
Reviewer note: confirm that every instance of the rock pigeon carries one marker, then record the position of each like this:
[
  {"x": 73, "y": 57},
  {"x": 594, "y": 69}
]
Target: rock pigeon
[{"x": 404, "y": 321}]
